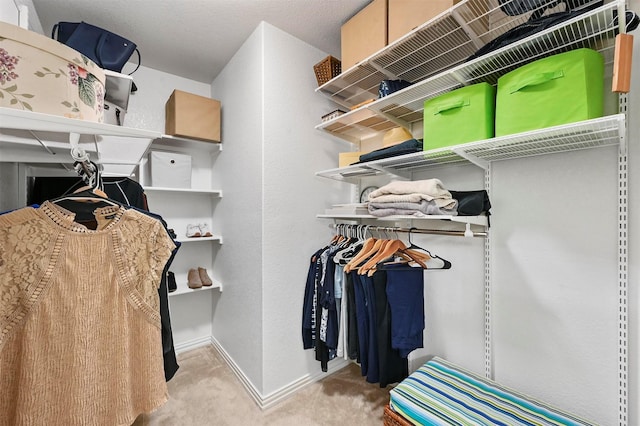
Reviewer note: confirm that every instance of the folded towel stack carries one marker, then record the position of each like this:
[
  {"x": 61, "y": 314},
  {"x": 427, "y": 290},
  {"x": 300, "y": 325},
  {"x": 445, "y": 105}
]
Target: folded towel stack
[{"x": 416, "y": 198}]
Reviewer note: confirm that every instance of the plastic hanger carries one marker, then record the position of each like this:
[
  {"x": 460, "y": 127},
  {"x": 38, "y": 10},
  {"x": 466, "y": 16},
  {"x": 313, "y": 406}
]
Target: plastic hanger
[
  {"x": 417, "y": 255},
  {"x": 434, "y": 261},
  {"x": 362, "y": 254},
  {"x": 85, "y": 200},
  {"x": 351, "y": 249}
]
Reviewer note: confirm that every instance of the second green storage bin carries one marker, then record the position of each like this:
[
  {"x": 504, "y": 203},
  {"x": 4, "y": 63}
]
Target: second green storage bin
[
  {"x": 460, "y": 116},
  {"x": 555, "y": 90}
]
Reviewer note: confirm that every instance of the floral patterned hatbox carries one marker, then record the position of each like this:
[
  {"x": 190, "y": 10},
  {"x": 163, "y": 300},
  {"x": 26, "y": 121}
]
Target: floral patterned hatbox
[{"x": 42, "y": 75}]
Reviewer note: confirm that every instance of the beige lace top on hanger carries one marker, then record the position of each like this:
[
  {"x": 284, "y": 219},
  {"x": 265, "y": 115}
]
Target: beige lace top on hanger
[{"x": 80, "y": 339}]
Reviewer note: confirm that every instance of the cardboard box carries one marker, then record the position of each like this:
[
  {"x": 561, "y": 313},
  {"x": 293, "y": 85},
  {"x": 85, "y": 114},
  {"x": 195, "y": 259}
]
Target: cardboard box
[
  {"x": 170, "y": 170},
  {"x": 406, "y": 15},
  {"x": 364, "y": 34},
  {"x": 192, "y": 116},
  {"x": 347, "y": 158}
]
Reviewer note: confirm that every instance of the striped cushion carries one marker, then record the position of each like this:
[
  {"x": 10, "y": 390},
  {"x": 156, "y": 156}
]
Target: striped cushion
[{"x": 440, "y": 393}]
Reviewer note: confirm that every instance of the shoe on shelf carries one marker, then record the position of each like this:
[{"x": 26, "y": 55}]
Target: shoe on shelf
[
  {"x": 204, "y": 277},
  {"x": 193, "y": 279},
  {"x": 171, "y": 282},
  {"x": 204, "y": 230},
  {"x": 172, "y": 233},
  {"x": 193, "y": 231}
]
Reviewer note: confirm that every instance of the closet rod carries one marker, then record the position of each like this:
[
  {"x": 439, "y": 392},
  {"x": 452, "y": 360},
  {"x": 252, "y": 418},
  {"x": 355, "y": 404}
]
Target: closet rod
[{"x": 414, "y": 230}]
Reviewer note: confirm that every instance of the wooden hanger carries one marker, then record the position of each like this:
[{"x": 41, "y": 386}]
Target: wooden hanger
[{"x": 385, "y": 252}]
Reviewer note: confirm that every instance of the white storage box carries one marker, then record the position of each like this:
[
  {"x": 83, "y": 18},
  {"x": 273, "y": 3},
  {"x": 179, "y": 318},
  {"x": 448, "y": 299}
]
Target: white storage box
[{"x": 169, "y": 169}]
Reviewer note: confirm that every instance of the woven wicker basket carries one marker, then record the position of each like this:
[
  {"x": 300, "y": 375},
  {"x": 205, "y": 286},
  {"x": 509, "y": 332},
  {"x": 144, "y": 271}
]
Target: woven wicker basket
[
  {"x": 327, "y": 69},
  {"x": 391, "y": 418}
]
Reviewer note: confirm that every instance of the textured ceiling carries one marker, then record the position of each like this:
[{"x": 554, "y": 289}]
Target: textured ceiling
[{"x": 196, "y": 38}]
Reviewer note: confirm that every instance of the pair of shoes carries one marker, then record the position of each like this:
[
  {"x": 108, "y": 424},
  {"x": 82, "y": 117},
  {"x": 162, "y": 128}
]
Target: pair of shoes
[
  {"x": 198, "y": 278},
  {"x": 199, "y": 230}
]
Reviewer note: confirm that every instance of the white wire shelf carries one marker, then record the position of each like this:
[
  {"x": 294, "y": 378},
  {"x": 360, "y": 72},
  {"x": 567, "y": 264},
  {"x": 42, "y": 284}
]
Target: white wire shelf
[
  {"x": 472, "y": 220},
  {"x": 432, "y": 57},
  {"x": 213, "y": 192},
  {"x": 604, "y": 131}
]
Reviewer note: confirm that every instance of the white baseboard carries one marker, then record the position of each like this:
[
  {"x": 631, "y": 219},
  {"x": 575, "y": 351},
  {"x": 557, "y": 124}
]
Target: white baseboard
[
  {"x": 266, "y": 401},
  {"x": 192, "y": 344}
]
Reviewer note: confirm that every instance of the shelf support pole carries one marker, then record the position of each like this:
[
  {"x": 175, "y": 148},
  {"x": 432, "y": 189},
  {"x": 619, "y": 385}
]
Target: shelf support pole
[
  {"x": 488, "y": 335},
  {"x": 623, "y": 297}
]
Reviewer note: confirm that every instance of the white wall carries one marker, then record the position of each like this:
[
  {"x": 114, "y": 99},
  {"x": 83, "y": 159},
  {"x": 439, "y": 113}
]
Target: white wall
[
  {"x": 454, "y": 298},
  {"x": 9, "y": 12},
  {"x": 237, "y": 315},
  {"x": 293, "y": 151},
  {"x": 555, "y": 279},
  {"x": 271, "y": 151}
]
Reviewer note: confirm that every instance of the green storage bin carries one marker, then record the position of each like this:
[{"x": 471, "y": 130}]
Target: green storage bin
[
  {"x": 460, "y": 116},
  {"x": 555, "y": 90}
]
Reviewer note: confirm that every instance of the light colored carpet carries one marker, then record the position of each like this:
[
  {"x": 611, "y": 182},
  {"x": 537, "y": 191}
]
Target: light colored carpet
[{"x": 205, "y": 391}]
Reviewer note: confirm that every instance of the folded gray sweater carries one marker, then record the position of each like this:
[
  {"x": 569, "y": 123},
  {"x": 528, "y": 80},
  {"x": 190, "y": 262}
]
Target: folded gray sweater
[{"x": 420, "y": 209}]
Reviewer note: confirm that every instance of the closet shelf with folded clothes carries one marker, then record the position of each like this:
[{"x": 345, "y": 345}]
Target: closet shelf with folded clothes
[
  {"x": 37, "y": 138},
  {"x": 594, "y": 133},
  {"x": 432, "y": 58},
  {"x": 473, "y": 220}
]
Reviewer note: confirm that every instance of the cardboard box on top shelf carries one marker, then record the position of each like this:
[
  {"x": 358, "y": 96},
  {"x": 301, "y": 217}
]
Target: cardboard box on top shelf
[
  {"x": 364, "y": 34},
  {"x": 406, "y": 15},
  {"x": 192, "y": 116}
]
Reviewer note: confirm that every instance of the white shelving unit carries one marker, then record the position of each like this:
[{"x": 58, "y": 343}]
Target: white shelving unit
[
  {"x": 182, "y": 206},
  {"x": 433, "y": 57},
  {"x": 36, "y": 138}
]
